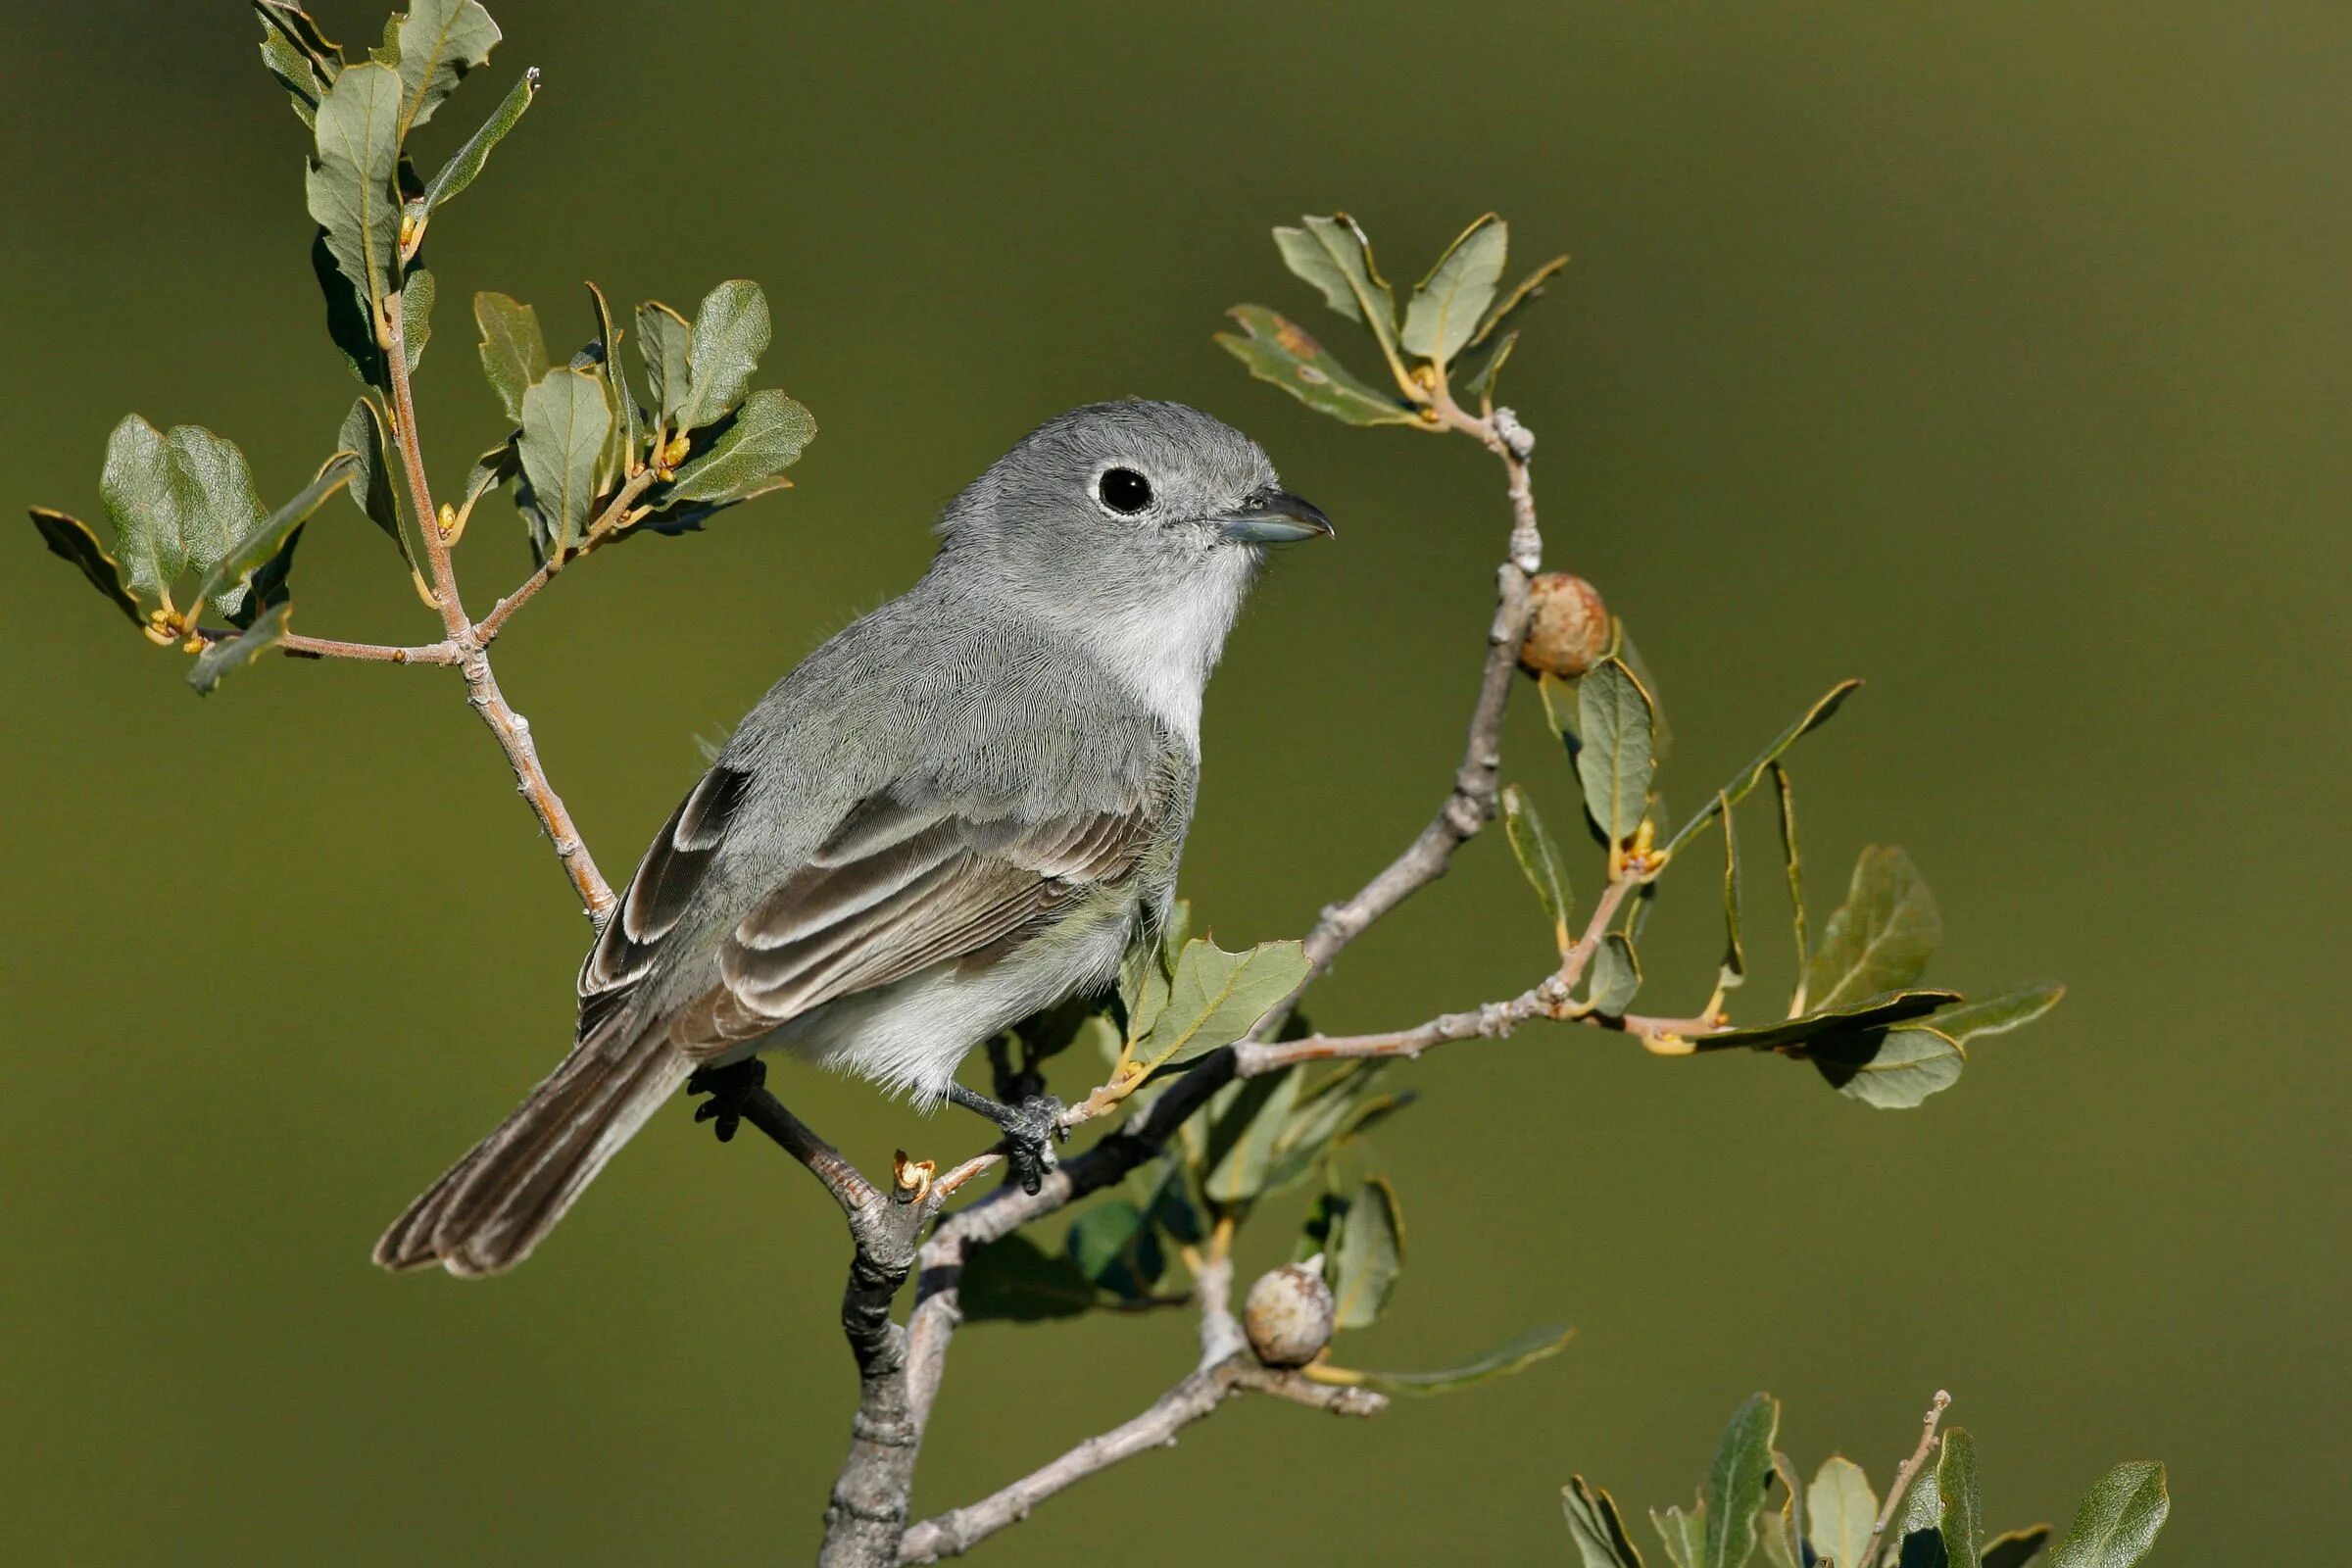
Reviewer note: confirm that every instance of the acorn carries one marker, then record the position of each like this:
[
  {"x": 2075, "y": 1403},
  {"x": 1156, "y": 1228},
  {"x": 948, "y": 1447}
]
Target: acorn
[
  {"x": 1288, "y": 1315},
  {"x": 1569, "y": 630}
]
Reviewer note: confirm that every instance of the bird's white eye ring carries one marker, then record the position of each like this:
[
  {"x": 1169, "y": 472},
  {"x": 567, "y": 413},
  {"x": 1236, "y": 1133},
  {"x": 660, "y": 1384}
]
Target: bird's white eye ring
[{"x": 1124, "y": 490}]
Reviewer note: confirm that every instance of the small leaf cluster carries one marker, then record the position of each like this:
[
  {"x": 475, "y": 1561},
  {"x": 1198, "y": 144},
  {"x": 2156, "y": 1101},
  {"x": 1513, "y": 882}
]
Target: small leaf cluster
[
  {"x": 1831, "y": 1523},
  {"x": 1458, "y": 314},
  {"x": 1858, "y": 1012},
  {"x": 586, "y": 461}
]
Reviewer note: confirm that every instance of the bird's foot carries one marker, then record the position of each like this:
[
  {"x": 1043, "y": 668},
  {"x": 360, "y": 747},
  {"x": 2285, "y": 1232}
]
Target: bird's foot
[
  {"x": 728, "y": 1087},
  {"x": 1032, "y": 1127}
]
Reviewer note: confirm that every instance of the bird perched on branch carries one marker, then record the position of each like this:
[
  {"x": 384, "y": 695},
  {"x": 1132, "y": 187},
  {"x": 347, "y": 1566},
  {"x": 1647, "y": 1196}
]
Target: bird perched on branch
[{"x": 959, "y": 810}]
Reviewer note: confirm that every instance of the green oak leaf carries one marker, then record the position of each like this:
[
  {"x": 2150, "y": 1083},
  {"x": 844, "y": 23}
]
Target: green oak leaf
[
  {"x": 1513, "y": 1356},
  {"x": 620, "y": 447},
  {"x": 217, "y": 659},
  {"x": 1996, "y": 1015},
  {"x": 1114, "y": 1246},
  {"x": 513, "y": 350},
  {"x": 2014, "y": 1548},
  {"x": 375, "y": 484},
  {"x": 730, "y": 333},
  {"x": 1596, "y": 1526},
  {"x": 226, "y": 582},
  {"x": 433, "y": 46},
  {"x": 1214, "y": 997},
  {"x": 1866, "y": 1013},
  {"x": 1961, "y": 1521},
  {"x": 1370, "y": 1257},
  {"x": 1540, "y": 858},
  {"x": 1531, "y": 288},
  {"x": 467, "y": 161},
  {"x": 1894, "y": 1069},
  {"x": 1616, "y": 975},
  {"x": 1248, "y": 1121},
  {"x": 1277, "y": 349},
  {"x": 1616, "y": 723},
  {"x": 1685, "y": 1534},
  {"x": 350, "y": 187},
  {"x": 1480, "y": 387},
  {"x": 767, "y": 435},
  {"x": 1333, "y": 254},
  {"x": 177, "y": 503},
  {"x": 1882, "y": 937},
  {"x": 2117, "y": 1523},
  {"x": 1446, "y": 306},
  {"x": 304, "y": 60},
  {"x": 666, "y": 343},
  {"x": 564, "y": 422},
  {"x": 1737, "y": 1480},
  {"x": 1840, "y": 1509},
  {"x": 70, "y": 539}
]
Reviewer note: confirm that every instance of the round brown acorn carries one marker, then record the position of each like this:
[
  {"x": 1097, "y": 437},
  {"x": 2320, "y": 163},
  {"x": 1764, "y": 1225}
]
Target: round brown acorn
[
  {"x": 1569, "y": 629},
  {"x": 1288, "y": 1315}
]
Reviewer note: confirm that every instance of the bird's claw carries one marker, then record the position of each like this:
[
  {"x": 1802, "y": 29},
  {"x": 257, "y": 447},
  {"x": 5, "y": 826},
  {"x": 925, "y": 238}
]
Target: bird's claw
[
  {"x": 728, "y": 1087},
  {"x": 1031, "y": 1130}
]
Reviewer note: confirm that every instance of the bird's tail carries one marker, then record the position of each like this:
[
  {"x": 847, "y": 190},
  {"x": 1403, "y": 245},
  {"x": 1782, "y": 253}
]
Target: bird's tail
[{"x": 492, "y": 1207}]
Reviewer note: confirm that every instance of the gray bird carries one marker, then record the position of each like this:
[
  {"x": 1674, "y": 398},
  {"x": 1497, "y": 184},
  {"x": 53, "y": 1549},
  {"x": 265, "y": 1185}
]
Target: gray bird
[{"x": 959, "y": 810}]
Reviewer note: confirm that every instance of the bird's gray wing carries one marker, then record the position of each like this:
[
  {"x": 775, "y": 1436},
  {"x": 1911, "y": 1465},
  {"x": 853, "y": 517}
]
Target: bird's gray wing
[{"x": 892, "y": 891}]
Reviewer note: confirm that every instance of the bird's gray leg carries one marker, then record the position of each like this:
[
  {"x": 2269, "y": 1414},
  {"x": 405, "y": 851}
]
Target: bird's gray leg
[{"x": 1031, "y": 1128}]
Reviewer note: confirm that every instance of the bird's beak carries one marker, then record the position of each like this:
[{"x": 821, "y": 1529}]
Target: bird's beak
[{"x": 1276, "y": 517}]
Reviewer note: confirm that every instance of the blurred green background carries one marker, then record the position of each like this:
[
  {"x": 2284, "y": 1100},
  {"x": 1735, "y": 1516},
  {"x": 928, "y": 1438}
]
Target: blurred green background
[{"x": 1997, "y": 353}]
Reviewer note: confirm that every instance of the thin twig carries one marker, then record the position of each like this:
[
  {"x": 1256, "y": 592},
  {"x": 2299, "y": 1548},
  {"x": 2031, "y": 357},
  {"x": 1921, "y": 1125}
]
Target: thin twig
[
  {"x": 440, "y": 652},
  {"x": 1904, "y": 1474},
  {"x": 513, "y": 730}
]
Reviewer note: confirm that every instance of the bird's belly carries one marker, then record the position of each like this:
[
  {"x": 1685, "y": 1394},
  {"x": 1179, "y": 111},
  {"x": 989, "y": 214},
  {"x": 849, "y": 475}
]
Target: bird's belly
[{"x": 911, "y": 1036}]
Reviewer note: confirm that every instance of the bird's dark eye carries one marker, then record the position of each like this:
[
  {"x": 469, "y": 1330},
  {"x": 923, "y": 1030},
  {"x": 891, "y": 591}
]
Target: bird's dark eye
[{"x": 1124, "y": 490}]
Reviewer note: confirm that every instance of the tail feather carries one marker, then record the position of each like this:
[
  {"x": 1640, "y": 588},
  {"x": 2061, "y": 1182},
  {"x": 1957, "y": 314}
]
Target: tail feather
[{"x": 487, "y": 1213}]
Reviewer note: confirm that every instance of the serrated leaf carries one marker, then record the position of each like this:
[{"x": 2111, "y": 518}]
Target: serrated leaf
[
  {"x": 1996, "y": 1015},
  {"x": 730, "y": 333},
  {"x": 350, "y": 187},
  {"x": 1961, "y": 1519},
  {"x": 1215, "y": 998},
  {"x": 514, "y": 348},
  {"x": 1540, "y": 858},
  {"x": 217, "y": 659},
  {"x": 1513, "y": 1356},
  {"x": 1882, "y": 937},
  {"x": 467, "y": 161},
  {"x": 1840, "y": 1509},
  {"x": 2014, "y": 1548},
  {"x": 1370, "y": 1257},
  {"x": 1616, "y": 757},
  {"x": 665, "y": 344},
  {"x": 70, "y": 539},
  {"x": 439, "y": 41},
  {"x": 1531, "y": 288},
  {"x": 1749, "y": 777},
  {"x": 1277, "y": 349},
  {"x": 1685, "y": 1534},
  {"x": 1248, "y": 1118},
  {"x": 1015, "y": 1281},
  {"x": 1113, "y": 1245},
  {"x": 1446, "y": 306},
  {"x": 750, "y": 454},
  {"x": 564, "y": 422},
  {"x": 225, "y": 581},
  {"x": 1616, "y": 975},
  {"x": 1596, "y": 1526},
  {"x": 2117, "y": 1523},
  {"x": 1736, "y": 1483}
]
